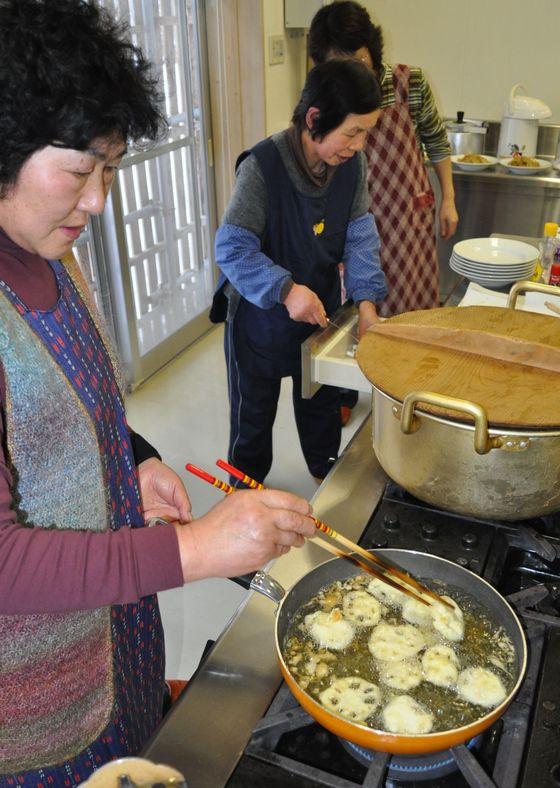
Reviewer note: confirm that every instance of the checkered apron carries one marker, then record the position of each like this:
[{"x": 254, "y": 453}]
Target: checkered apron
[{"x": 403, "y": 204}]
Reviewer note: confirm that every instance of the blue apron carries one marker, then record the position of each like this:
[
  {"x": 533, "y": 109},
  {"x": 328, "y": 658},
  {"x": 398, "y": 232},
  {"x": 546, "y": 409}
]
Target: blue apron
[{"x": 305, "y": 235}]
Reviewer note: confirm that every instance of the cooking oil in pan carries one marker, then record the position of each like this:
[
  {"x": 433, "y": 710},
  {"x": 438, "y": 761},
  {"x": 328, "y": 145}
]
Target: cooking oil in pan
[{"x": 485, "y": 645}]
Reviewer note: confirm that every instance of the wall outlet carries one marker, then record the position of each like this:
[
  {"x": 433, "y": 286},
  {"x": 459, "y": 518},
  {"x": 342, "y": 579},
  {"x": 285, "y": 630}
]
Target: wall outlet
[{"x": 276, "y": 46}]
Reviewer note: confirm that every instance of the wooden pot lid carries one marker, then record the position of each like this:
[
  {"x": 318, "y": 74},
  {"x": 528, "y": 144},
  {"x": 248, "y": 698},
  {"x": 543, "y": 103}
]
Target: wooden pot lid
[{"x": 501, "y": 359}]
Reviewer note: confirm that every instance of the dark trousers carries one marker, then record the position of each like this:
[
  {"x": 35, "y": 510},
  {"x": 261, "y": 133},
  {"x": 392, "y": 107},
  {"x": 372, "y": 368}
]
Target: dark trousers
[{"x": 253, "y": 405}]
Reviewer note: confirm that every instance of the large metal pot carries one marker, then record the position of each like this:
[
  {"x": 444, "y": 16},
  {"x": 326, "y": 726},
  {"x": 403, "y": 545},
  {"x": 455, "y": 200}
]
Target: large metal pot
[
  {"x": 423, "y": 566},
  {"x": 466, "y": 468}
]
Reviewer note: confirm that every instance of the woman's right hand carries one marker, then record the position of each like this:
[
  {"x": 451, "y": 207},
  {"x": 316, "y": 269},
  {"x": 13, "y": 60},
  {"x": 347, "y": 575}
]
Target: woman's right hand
[
  {"x": 305, "y": 306},
  {"x": 242, "y": 533}
]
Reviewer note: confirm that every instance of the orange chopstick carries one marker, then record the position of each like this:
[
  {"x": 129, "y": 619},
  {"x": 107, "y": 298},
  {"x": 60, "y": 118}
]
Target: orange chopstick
[
  {"x": 228, "y": 489},
  {"x": 388, "y": 566}
]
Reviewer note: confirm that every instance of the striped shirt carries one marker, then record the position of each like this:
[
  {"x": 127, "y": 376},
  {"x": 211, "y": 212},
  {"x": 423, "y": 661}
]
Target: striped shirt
[{"x": 429, "y": 128}]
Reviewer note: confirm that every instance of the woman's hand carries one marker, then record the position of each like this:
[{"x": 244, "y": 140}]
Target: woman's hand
[
  {"x": 242, "y": 533},
  {"x": 367, "y": 316},
  {"x": 305, "y": 306},
  {"x": 448, "y": 218},
  {"x": 163, "y": 493}
]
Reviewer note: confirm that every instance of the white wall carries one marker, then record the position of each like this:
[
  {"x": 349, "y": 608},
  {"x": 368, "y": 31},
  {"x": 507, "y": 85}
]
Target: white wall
[
  {"x": 283, "y": 81},
  {"x": 473, "y": 51}
]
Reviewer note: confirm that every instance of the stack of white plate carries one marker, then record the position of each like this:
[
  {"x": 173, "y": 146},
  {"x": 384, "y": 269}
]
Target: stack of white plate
[{"x": 493, "y": 262}]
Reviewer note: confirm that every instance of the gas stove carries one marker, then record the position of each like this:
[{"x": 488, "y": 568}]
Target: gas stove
[{"x": 522, "y": 561}]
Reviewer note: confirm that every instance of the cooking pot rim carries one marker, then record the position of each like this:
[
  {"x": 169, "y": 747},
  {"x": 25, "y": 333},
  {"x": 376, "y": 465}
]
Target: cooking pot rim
[
  {"x": 495, "y": 712},
  {"x": 493, "y": 429}
]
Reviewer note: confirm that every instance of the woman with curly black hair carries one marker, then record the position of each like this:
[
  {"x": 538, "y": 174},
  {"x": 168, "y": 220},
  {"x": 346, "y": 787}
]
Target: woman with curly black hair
[{"x": 81, "y": 644}]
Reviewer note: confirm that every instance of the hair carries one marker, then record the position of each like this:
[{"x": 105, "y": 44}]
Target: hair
[
  {"x": 341, "y": 29},
  {"x": 337, "y": 88},
  {"x": 69, "y": 75}
]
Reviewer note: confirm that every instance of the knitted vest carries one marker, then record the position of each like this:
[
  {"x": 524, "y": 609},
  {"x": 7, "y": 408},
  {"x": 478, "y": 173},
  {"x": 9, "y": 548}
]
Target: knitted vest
[{"x": 56, "y": 671}]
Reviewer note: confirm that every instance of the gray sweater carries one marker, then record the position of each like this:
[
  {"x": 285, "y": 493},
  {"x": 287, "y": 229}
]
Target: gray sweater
[{"x": 248, "y": 206}]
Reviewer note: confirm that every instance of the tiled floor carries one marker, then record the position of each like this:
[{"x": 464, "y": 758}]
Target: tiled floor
[{"x": 183, "y": 411}]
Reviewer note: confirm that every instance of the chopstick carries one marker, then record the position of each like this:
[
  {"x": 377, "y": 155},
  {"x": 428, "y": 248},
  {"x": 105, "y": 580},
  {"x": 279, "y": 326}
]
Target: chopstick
[
  {"x": 346, "y": 329},
  {"x": 370, "y": 556},
  {"x": 228, "y": 490},
  {"x": 552, "y": 307}
]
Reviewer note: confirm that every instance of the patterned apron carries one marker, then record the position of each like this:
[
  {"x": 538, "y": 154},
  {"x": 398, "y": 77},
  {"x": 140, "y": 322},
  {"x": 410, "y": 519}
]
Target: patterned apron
[
  {"x": 403, "y": 204},
  {"x": 69, "y": 333}
]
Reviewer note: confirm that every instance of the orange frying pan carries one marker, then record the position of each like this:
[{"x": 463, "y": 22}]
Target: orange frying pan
[{"x": 423, "y": 566}]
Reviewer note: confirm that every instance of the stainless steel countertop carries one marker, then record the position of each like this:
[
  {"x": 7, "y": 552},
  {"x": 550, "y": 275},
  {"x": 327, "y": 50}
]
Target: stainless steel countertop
[{"x": 205, "y": 733}]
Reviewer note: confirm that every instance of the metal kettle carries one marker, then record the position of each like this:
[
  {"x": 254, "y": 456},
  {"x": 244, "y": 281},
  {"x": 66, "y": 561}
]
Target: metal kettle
[{"x": 466, "y": 136}]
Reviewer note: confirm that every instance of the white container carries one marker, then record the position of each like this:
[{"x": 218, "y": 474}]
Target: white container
[
  {"x": 520, "y": 122},
  {"x": 140, "y": 771}
]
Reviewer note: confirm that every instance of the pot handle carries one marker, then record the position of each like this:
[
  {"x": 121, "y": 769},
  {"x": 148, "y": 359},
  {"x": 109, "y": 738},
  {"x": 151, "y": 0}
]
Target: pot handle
[
  {"x": 512, "y": 94},
  {"x": 483, "y": 443},
  {"x": 526, "y": 286}
]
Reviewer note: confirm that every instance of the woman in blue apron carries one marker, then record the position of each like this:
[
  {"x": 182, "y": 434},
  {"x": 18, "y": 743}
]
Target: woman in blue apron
[{"x": 299, "y": 208}]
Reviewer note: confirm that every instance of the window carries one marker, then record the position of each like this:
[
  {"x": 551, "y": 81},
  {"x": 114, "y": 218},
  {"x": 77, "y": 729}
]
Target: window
[{"x": 149, "y": 258}]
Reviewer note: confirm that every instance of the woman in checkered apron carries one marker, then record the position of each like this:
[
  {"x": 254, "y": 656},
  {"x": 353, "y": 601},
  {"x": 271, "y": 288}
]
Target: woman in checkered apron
[{"x": 402, "y": 199}]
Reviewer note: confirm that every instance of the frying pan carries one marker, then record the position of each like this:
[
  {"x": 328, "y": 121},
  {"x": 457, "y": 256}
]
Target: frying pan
[{"x": 424, "y": 567}]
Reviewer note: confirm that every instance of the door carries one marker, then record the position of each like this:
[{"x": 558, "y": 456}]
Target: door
[{"x": 149, "y": 258}]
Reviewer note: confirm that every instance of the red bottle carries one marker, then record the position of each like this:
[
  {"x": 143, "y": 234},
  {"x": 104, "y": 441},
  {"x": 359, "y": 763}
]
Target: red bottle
[{"x": 554, "y": 274}]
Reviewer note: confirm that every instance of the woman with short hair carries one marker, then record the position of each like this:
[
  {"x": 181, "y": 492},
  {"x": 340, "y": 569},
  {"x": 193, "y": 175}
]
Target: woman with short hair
[
  {"x": 401, "y": 196},
  {"x": 299, "y": 208}
]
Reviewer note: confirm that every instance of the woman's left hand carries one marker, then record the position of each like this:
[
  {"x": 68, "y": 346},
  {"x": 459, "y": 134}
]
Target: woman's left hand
[
  {"x": 448, "y": 218},
  {"x": 367, "y": 315},
  {"x": 163, "y": 493}
]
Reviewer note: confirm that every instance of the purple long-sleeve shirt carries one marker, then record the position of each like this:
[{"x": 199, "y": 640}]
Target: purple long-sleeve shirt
[{"x": 45, "y": 570}]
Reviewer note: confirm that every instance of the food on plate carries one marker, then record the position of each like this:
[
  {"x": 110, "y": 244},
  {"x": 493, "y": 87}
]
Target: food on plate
[
  {"x": 405, "y": 715},
  {"x": 473, "y": 158},
  {"x": 447, "y": 622},
  {"x": 523, "y": 161},
  {"x": 403, "y": 676},
  {"x": 386, "y": 593},
  {"x": 330, "y": 630},
  {"x": 361, "y": 608},
  {"x": 481, "y": 686},
  {"x": 415, "y": 612},
  {"x": 351, "y": 697},
  {"x": 335, "y": 653},
  {"x": 440, "y": 666},
  {"x": 392, "y": 643}
]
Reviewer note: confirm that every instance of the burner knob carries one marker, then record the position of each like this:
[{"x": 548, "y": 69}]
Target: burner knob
[
  {"x": 430, "y": 531},
  {"x": 381, "y": 542},
  {"x": 391, "y": 522},
  {"x": 469, "y": 540},
  {"x": 462, "y": 561}
]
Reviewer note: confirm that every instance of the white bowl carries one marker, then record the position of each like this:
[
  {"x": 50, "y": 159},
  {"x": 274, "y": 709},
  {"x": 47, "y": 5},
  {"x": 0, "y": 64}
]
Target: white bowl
[
  {"x": 495, "y": 250},
  {"x": 543, "y": 165},
  {"x": 487, "y": 279},
  {"x": 493, "y": 285},
  {"x": 491, "y": 268},
  {"x": 480, "y": 280},
  {"x": 465, "y": 165}
]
